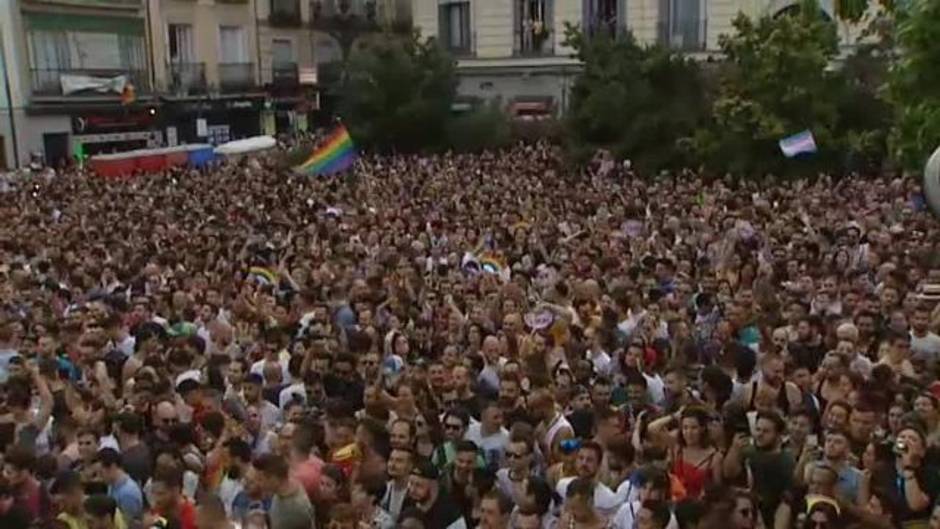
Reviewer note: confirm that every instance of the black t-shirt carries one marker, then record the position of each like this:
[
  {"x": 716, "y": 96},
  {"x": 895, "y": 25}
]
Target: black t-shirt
[
  {"x": 928, "y": 478},
  {"x": 444, "y": 514},
  {"x": 16, "y": 516}
]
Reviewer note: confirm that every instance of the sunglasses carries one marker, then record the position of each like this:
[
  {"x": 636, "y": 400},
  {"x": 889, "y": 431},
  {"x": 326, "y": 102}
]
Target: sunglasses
[{"x": 514, "y": 455}]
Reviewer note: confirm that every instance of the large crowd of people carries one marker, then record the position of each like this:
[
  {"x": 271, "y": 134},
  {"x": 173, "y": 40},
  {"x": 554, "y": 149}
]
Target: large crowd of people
[{"x": 496, "y": 340}]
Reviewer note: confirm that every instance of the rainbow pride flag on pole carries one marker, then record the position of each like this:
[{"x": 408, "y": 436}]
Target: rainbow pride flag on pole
[{"x": 337, "y": 154}]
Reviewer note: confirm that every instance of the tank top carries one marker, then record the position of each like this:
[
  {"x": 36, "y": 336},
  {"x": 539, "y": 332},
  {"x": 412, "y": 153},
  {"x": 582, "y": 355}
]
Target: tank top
[
  {"x": 782, "y": 401},
  {"x": 693, "y": 477},
  {"x": 559, "y": 423}
]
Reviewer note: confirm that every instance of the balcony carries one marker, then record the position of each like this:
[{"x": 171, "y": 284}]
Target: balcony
[
  {"x": 236, "y": 76},
  {"x": 285, "y": 13},
  {"x": 360, "y": 15},
  {"x": 604, "y": 16},
  {"x": 114, "y": 4},
  {"x": 533, "y": 40},
  {"x": 48, "y": 82},
  {"x": 285, "y": 74},
  {"x": 187, "y": 78}
]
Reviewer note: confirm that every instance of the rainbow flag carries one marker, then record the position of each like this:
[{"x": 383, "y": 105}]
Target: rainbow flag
[{"x": 337, "y": 154}]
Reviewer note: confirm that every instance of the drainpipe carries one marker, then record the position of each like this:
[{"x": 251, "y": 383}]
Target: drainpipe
[
  {"x": 254, "y": 7},
  {"x": 150, "y": 46},
  {"x": 10, "y": 107}
]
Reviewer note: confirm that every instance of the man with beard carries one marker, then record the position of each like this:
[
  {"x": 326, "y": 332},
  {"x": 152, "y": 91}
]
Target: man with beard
[
  {"x": 769, "y": 469},
  {"x": 343, "y": 382},
  {"x": 436, "y": 506},
  {"x": 788, "y": 396},
  {"x": 457, "y": 480},
  {"x": 512, "y": 402},
  {"x": 400, "y": 464},
  {"x": 588, "y": 465},
  {"x": 253, "y": 393}
]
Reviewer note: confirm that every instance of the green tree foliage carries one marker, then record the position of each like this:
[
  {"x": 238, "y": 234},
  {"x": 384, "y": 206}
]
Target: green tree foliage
[
  {"x": 398, "y": 93},
  {"x": 635, "y": 101},
  {"x": 914, "y": 83},
  {"x": 776, "y": 83},
  {"x": 486, "y": 127}
]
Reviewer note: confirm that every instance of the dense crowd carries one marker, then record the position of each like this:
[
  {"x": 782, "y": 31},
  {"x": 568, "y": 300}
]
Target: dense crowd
[{"x": 454, "y": 341}]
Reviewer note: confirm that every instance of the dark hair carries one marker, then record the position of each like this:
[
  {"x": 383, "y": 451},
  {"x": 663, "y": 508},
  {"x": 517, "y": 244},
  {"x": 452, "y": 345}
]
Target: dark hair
[
  {"x": 633, "y": 377},
  {"x": 272, "y": 465},
  {"x": 170, "y": 477},
  {"x": 130, "y": 423},
  {"x": 542, "y": 492},
  {"x": 65, "y": 482},
  {"x": 109, "y": 457},
  {"x": 505, "y": 504},
  {"x": 654, "y": 477},
  {"x": 458, "y": 413},
  {"x": 660, "y": 510},
  {"x": 466, "y": 445},
  {"x": 775, "y": 418},
  {"x": 21, "y": 457},
  {"x": 580, "y": 487},
  {"x": 373, "y": 485},
  {"x": 239, "y": 449},
  {"x": 595, "y": 447},
  {"x": 100, "y": 506}
]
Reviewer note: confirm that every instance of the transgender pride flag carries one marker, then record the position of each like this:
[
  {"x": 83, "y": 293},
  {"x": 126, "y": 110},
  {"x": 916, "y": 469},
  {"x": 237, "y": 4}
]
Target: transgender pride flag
[{"x": 800, "y": 143}]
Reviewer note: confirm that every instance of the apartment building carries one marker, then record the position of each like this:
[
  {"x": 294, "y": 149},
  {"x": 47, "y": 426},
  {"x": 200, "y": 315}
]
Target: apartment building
[
  {"x": 205, "y": 60},
  {"x": 68, "y": 66},
  {"x": 514, "y": 49},
  {"x": 115, "y": 75}
]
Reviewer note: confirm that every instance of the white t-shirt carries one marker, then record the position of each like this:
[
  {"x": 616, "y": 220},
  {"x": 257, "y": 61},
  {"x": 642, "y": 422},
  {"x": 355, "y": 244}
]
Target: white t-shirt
[
  {"x": 926, "y": 347},
  {"x": 605, "y": 500},
  {"x": 493, "y": 446},
  {"x": 287, "y": 394}
]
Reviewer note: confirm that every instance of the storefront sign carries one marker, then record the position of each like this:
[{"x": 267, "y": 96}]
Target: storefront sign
[
  {"x": 148, "y": 135},
  {"x": 86, "y": 124}
]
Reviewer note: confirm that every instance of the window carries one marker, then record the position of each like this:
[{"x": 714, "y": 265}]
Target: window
[
  {"x": 682, "y": 24},
  {"x": 455, "y": 26},
  {"x": 180, "y": 38},
  {"x": 49, "y": 50},
  {"x": 533, "y": 27},
  {"x": 282, "y": 51},
  {"x": 603, "y": 15},
  {"x": 234, "y": 45}
]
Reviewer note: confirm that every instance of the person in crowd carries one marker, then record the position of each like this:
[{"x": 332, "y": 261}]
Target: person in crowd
[
  {"x": 498, "y": 339},
  {"x": 290, "y": 506}
]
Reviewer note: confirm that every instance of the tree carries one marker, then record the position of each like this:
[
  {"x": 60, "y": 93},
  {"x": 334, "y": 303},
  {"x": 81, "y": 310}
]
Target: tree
[
  {"x": 399, "y": 93},
  {"x": 914, "y": 82},
  {"x": 775, "y": 83},
  {"x": 637, "y": 102},
  {"x": 486, "y": 127}
]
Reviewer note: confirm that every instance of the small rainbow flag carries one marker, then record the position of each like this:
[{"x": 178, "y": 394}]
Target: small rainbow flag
[
  {"x": 262, "y": 275},
  {"x": 337, "y": 154}
]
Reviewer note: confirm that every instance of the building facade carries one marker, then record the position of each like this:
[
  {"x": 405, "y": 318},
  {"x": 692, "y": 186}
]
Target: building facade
[
  {"x": 98, "y": 76},
  {"x": 514, "y": 49},
  {"x": 69, "y": 69}
]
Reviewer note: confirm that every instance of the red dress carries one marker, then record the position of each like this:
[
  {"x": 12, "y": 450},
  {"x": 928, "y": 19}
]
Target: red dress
[{"x": 693, "y": 477}]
